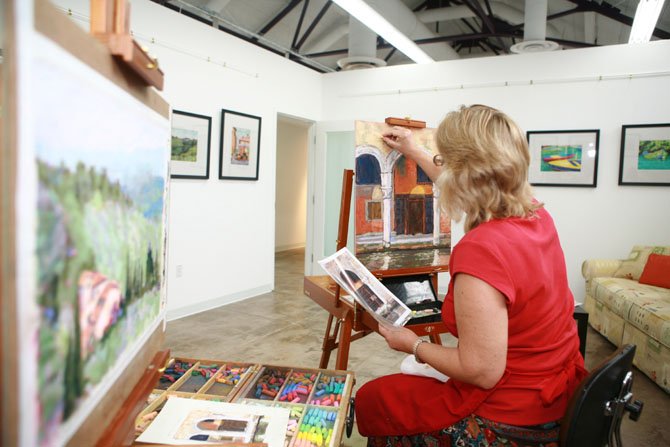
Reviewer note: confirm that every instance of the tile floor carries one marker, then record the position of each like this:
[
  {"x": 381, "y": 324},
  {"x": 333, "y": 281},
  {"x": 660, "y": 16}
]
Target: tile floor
[{"x": 285, "y": 327}]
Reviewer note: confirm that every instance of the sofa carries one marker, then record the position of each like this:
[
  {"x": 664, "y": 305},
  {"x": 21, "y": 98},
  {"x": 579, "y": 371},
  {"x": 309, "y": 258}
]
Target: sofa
[{"x": 626, "y": 304}]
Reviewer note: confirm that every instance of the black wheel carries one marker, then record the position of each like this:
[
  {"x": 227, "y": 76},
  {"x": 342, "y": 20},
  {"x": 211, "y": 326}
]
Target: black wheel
[{"x": 349, "y": 421}]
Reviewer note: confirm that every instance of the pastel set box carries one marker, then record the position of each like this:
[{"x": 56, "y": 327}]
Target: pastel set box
[
  {"x": 318, "y": 399},
  {"x": 417, "y": 293}
]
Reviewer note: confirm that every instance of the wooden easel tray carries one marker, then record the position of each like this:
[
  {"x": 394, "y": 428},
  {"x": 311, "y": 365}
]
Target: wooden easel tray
[{"x": 309, "y": 394}]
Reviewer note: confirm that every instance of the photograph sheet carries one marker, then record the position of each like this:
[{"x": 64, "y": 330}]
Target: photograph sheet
[
  {"x": 193, "y": 421},
  {"x": 353, "y": 277}
]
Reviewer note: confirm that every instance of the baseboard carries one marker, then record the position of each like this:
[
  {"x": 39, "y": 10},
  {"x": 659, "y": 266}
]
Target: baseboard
[
  {"x": 280, "y": 248},
  {"x": 185, "y": 311}
]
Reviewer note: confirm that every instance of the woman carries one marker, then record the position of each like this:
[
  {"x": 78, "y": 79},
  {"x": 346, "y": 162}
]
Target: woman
[{"x": 517, "y": 361}]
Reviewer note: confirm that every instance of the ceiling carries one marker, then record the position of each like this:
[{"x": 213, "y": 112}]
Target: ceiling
[{"x": 318, "y": 33}]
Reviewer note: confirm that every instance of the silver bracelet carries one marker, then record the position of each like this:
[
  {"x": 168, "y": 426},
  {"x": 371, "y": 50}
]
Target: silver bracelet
[{"x": 416, "y": 347}]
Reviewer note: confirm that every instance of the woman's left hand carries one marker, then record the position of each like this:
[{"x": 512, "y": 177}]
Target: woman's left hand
[{"x": 398, "y": 338}]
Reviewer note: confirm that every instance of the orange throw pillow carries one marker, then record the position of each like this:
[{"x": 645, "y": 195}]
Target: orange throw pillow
[{"x": 657, "y": 271}]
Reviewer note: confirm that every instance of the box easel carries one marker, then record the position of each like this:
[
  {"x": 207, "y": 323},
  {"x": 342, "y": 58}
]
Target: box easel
[
  {"x": 347, "y": 320},
  {"x": 111, "y": 415}
]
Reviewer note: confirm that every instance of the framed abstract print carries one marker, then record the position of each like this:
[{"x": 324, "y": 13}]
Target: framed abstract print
[{"x": 563, "y": 157}]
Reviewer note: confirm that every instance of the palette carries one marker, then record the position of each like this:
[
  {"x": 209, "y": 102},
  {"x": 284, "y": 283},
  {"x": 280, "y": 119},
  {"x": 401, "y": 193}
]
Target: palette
[{"x": 318, "y": 399}]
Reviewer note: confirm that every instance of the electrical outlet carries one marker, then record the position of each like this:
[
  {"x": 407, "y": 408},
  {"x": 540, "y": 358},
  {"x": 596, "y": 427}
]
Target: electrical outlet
[{"x": 180, "y": 271}]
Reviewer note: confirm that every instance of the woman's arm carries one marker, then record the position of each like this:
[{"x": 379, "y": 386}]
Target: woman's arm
[
  {"x": 481, "y": 317},
  {"x": 401, "y": 139}
]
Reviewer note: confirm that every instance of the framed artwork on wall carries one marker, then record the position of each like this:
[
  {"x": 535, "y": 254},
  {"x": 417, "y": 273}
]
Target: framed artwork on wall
[
  {"x": 645, "y": 155},
  {"x": 240, "y": 147},
  {"x": 190, "y": 145},
  {"x": 563, "y": 157}
]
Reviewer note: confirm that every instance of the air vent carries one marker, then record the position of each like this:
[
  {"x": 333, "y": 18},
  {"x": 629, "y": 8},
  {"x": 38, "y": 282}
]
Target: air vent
[
  {"x": 358, "y": 62},
  {"x": 534, "y": 46}
]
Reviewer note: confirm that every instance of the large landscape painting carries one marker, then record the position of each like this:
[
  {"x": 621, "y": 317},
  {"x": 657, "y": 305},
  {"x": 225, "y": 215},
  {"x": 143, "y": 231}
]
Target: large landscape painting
[{"x": 100, "y": 171}]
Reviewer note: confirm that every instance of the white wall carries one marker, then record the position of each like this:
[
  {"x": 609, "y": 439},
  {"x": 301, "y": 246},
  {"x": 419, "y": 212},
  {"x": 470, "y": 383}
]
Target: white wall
[
  {"x": 218, "y": 229},
  {"x": 291, "y": 191},
  {"x": 565, "y": 93}
]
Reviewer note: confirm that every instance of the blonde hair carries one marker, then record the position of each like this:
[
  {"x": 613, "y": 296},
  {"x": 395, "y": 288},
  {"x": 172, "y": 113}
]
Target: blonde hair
[{"x": 486, "y": 162}]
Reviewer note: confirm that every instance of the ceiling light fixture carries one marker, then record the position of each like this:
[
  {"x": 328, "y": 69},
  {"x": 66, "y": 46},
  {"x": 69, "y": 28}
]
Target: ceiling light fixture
[
  {"x": 645, "y": 20},
  {"x": 365, "y": 14}
]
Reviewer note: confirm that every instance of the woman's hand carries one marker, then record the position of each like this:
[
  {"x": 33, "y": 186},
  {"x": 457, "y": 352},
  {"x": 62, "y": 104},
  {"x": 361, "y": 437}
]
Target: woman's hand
[
  {"x": 398, "y": 338},
  {"x": 400, "y": 139}
]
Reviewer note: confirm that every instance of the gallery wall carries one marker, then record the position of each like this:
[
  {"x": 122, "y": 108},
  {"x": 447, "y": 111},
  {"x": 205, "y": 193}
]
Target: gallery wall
[
  {"x": 596, "y": 88},
  {"x": 218, "y": 239},
  {"x": 219, "y": 246},
  {"x": 291, "y": 192}
]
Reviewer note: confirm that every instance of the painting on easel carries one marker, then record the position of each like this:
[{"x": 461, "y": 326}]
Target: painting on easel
[
  {"x": 93, "y": 185},
  {"x": 398, "y": 222}
]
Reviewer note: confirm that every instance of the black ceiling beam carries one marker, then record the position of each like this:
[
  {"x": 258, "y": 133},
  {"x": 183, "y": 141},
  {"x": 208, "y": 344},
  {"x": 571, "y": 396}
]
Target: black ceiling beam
[
  {"x": 557, "y": 15},
  {"x": 455, "y": 38},
  {"x": 315, "y": 22},
  {"x": 235, "y": 33},
  {"x": 305, "y": 5},
  {"x": 477, "y": 9},
  {"x": 472, "y": 28},
  {"x": 288, "y": 8},
  {"x": 607, "y": 10}
]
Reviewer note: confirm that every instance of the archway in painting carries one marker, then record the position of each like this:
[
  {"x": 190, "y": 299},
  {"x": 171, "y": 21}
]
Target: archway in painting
[{"x": 369, "y": 202}]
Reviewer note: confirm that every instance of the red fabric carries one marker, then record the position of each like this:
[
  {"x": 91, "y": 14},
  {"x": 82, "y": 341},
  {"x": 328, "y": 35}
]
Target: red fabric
[
  {"x": 523, "y": 259},
  {"x": 656, "y": 271}
]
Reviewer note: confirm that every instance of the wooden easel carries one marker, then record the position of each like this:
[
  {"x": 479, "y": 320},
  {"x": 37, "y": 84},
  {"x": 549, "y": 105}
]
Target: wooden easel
[
  {"x": 357, "y": 320},
  {"x": 111, "y": 422}
]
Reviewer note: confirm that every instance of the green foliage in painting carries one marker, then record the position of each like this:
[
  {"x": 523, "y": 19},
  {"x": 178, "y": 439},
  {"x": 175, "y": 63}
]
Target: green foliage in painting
[
  {"x": 654, "y": 154},
  {"x": 90, "y": 223},
  {"x": 184, "y": 149}
]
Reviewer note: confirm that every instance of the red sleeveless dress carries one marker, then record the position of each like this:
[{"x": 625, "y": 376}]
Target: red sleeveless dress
[{"x": 523, "y": 259}]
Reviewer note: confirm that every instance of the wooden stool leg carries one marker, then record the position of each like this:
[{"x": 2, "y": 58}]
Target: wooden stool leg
[{"x": 343, "y": 345}]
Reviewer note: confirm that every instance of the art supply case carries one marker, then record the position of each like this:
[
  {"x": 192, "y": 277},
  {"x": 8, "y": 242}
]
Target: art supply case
[{"x": 417, "y": 293}]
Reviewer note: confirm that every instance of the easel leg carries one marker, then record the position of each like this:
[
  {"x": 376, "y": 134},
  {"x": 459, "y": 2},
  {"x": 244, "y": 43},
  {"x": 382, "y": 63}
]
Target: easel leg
[
  {"x": 435, "y": 338},
  {"x": 328, "y": 342},
  {"x": 343, "y": 345}
]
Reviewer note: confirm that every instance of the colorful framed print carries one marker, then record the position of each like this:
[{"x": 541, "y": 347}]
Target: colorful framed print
[
  {"x": 563, "y": 157},
  {"x": 645, "y": 155},
  {"x": 190, "y": 145},
  {"x": 240, "y": 146}
]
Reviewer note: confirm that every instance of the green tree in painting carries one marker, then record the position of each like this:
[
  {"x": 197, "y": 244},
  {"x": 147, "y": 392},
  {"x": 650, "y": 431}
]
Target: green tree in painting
[{"x": 86, "y": 222}]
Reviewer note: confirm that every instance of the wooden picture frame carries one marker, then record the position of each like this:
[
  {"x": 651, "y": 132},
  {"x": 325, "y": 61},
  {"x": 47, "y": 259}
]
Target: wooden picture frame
[
  {"x": 239, "y": 146},
  {"x": 190, "y": 145},
  {"x": 645, "y": 155},
  {"x": 563, "y": 157}
]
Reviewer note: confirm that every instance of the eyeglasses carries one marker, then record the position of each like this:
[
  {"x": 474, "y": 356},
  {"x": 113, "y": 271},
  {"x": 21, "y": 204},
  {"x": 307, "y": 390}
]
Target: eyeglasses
[{"x": 438, "y": 160}]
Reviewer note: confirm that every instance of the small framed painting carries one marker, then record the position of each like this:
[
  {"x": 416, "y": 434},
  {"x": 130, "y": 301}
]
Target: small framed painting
[
  {"x": 190, "y": 145},
  {"x": 563, "y": 157},
  {"x": 239, "y": 146},
  {"x": 645, "y": 155}
]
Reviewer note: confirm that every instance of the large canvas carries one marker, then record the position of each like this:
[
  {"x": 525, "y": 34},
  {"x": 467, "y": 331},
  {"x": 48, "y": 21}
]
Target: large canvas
[
  {"x": 398, "y": 222},
  {"x": 91, "y": 237}
]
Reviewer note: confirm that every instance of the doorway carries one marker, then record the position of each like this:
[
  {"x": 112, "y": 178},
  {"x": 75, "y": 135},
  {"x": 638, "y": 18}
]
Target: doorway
[{"x": 291, "y": 188}]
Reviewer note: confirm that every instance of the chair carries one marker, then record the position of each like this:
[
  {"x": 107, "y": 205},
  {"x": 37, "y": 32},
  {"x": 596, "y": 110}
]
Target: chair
[{"x": 594, "y": 414}]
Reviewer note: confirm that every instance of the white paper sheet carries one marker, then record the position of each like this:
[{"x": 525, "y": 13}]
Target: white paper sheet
[{"x": 181, "y": 419}]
